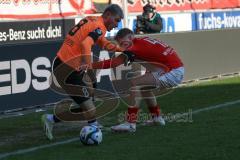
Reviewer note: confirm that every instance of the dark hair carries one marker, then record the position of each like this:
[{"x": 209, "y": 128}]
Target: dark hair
[
  {"x": 114, "y": 9},
  {"x": 148, "y": 8},
  {"x": 122, "y": 33}
]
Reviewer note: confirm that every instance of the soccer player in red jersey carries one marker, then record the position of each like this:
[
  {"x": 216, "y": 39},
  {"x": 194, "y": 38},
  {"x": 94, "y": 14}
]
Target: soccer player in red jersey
[
  {"x": 163, "y": 69},
  {"x": 74, "y": 52}
]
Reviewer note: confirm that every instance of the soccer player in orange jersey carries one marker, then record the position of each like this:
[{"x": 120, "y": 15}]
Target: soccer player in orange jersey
[
  {"x": 76, "y": 51},
  {"x": 164, "y": 69}
]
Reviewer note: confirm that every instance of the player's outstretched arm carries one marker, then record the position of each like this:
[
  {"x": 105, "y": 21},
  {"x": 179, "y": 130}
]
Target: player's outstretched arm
[
  {"x": 126, "y": 58},
  {"x": 108, "y": 45},
  {"x": 110, "y": 63}
]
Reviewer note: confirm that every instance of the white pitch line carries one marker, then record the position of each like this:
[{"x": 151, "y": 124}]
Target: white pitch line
[
  {"x": 227, "y": 104},
  {"x": 37, "y": 148}
]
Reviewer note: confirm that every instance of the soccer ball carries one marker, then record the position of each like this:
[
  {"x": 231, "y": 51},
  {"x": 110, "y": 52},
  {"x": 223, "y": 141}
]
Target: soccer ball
[{"x": 90, "y": 135}]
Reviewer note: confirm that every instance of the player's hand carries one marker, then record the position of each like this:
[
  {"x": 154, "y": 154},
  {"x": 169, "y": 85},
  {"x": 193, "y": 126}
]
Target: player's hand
[
  {"x": 129, "y": 59},
  {"x": 84, "y": 67}
]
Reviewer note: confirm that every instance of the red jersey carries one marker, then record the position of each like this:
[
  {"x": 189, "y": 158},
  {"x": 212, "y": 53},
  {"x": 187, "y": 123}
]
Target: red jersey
[{"x": 155, "y": 51}]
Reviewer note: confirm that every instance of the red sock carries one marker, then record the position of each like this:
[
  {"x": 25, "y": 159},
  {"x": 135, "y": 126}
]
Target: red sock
[
  {"x": 155, "y": 111},
  {"x": 132, "y": 115}
]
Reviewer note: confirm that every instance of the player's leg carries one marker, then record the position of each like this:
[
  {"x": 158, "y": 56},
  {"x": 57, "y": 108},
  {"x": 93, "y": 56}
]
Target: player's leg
[
  {"x": 75, "y": 86},
  {"x": 164, "y": 82},
  {"x": 48, "y": 120},
  {"x": 153, "y": 107},
  {"x": 146, "y": 81},
  {"x": 146, "y": 84}
]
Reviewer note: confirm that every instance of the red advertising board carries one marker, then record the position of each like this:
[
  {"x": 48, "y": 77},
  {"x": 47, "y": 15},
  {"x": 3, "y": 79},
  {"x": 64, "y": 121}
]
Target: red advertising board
[
  {"x": 176, "y": 5},
  {"x": 35, "y": 9},
  {"x": 225, "y": 3},
  {"x": 201, "y": 4},
  {"x": 137, "y": 5},
  {"x": 38, "y": 9}
]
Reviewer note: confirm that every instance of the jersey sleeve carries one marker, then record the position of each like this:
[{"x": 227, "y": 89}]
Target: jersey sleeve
[
  {"x": 86, "y": 44},
  {"x": 110, "y": 63},
  {"x": 86, "y": 47},
  {"x": 108, "y": 45},
  {"x": 95, "y": 34}
]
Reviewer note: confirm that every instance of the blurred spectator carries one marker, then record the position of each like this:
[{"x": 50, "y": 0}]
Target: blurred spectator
[
  {"x": 100, "y": 5},
  {"x": 150, "y": 21}
]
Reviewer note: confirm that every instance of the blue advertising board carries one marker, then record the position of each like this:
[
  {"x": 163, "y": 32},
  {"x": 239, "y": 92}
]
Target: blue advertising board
[{"x": 215, "y": 20}]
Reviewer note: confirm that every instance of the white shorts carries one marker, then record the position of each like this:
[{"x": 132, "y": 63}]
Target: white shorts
[{"x": 170, "y": 79}]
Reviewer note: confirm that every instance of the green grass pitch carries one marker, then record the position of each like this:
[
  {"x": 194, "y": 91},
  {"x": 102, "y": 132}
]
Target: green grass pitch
[{"x": 212, "y": 134}]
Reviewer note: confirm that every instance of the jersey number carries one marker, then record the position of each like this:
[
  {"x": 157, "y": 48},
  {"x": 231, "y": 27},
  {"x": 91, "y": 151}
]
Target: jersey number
[
  {"x": 156, "y": 41},
  {"x": 77, "y": 27}
]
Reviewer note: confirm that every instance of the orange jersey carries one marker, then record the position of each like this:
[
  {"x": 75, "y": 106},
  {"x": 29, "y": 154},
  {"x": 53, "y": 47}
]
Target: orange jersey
[{"x": 76, "y": 48}]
